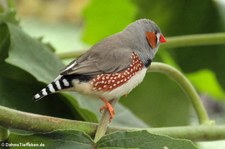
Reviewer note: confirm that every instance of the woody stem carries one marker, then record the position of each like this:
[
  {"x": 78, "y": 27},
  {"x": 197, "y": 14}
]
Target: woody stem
[{"x": 102, "y": 127}]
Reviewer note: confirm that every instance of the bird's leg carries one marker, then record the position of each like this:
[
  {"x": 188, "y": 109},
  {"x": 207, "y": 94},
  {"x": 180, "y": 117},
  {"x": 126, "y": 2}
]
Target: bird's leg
[
  {"x": 102, "y": 127},
  {"x": 109, "y": 107}
]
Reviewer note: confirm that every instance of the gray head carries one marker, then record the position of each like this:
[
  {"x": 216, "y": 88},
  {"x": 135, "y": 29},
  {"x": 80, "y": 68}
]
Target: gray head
[{"x": 145, "y": 37}]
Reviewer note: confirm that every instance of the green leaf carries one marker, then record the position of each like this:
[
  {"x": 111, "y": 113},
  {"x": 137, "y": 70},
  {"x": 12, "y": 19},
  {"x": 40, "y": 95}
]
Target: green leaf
[
  {"x": 4, "y": 42},
  {"x": 85, "y": 113},
  {"x": 62, "y": 139},
  {"x": 25, "y": 56},
  {"x": 24, "y": 49},
  {"x": 206, "y": 82},
  {"x": 142, "y": 140},
  {"x": 118, "y": 140},
  {"x": 103, "y": 18},
  {"x": 17, "y": 95}
]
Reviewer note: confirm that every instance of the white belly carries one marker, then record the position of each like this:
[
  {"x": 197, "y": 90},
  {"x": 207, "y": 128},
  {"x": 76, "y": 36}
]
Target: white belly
[
  {"x": 127, "y": 87},
  {"x": 86, "y": 88}
]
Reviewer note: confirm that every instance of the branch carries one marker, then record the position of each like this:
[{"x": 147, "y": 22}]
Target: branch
[
  {"x": 194, "y": 40},
  {"x": 71, "y": 54},
  {"x": 172, "y": 42},
  {"x": 186, "y": 86},
  {"x": 193, "y": 133},
  {"x": 10, "y": 118}
]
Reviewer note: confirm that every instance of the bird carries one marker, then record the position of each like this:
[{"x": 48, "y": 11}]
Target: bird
[{"x": 112, "y": 67}]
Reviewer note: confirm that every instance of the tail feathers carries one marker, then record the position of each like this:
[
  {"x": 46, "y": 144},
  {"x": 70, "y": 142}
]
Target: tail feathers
[{"x": 58, "y": 84}]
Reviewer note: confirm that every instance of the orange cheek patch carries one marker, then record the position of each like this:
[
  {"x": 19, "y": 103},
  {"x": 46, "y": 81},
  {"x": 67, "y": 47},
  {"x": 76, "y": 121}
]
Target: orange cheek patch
[{"x": 151, "y": 37}]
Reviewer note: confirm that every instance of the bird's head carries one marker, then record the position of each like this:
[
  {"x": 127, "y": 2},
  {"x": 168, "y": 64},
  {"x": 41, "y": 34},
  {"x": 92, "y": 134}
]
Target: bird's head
[{"x": 146, "y": 36}]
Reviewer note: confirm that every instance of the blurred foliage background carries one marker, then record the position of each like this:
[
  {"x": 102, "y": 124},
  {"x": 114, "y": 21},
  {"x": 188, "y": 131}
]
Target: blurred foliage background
[{"x": 74, "y": 25}]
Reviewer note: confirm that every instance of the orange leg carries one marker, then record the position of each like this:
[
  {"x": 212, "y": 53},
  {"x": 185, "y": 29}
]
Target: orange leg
[{"x": 109, "y": 107}]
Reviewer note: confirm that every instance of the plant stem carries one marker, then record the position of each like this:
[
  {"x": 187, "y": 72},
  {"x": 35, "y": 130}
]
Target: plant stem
[
  {"x": 172, "y": 42},
  {"x": 10, "y": 118},
  {"x": 186, "y": 86},
  {"x": 71, "y": 54},
  {"x": 194, "y": 40},
  {"x": 193, "y": 133},
  {"x": 102, "y": 127}
]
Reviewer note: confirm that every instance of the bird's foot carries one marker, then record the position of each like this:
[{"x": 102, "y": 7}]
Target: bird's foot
[{"x": 109, "y": 107}]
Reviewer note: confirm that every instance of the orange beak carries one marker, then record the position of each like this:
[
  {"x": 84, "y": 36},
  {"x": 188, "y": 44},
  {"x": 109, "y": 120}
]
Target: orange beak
[{"x": 162, "y": 38}]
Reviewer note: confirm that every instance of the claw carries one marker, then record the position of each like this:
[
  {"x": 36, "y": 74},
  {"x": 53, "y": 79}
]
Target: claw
[{"x": 109, "y": 107}]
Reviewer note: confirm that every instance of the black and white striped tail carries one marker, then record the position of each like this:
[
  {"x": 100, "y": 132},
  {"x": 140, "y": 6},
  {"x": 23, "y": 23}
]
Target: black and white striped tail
[{"x": 60, "y": 83}]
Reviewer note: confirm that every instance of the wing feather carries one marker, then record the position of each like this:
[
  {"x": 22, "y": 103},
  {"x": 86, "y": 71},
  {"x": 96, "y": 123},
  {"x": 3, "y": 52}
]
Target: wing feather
[{"x": 95, "y": 62}]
